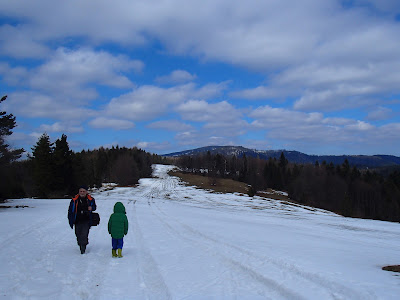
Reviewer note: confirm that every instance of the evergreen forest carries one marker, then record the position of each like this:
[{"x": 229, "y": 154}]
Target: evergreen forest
[
  {"x": 342, "y": 189},
  {"x": 54, "y": 171}
]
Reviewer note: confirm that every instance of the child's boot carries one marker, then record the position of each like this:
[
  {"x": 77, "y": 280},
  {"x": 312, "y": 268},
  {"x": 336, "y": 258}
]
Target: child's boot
[
  {"x": 120, "y": 253},
  {"x": 114, "y": 252}
]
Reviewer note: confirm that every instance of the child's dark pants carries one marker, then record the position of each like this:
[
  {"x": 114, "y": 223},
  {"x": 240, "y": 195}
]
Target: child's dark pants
[{"x": 117, "y": 243}]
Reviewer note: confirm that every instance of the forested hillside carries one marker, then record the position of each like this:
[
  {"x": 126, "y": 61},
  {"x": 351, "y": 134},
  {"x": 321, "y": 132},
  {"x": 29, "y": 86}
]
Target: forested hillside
[
  {"x": 343, "y": 188},
  {"x": 361, "y": 161}
]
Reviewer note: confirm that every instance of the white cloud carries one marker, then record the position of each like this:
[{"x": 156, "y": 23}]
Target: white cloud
[
  {"x": 330, "y": 87},
  {"x": 337, "y": 121},
  {"x": 390, "y": 132},
  {"x": 313, "y": 128},
  {"x": 324, "y": 43},
  {"x": 254, "y": 34},
  {"x": 337, "y": 98},
  {"x": 202, "y": 111},
  {"x": 36, "y": 105},
  {"x": 60, "y": 127},
  {"x": 264, "y": 92},
  {"x": 13, "y": 76},
  {"x": 360, "y": 126},
  {"x": 210, "y": 90},
  {"x": 97, "y": 21},
  {"x": 74, "y": 74},
  {"x": 221, "y": 119},
  {"x": 171, "y": 125},
  {"x": 203, "y": 138},
  {"x": 70, "y": 71},
  {"x": 148, "y": 102},
  {"x": 176, "y": 77},
  {"x": 304, "y": 132},
  {"x": 115, "y": 124},
  {"x": 18, "y": 42},
  {"x": 265, "y": 39},
  {"x": 379, "y": 113}
]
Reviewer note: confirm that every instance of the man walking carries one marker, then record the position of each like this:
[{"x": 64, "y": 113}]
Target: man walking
[{"x": 80, "y": 214}]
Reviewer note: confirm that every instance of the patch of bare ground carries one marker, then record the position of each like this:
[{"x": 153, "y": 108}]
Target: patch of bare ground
[
  {"x": 15, "y": 206},
  {"x": 395, "y": 268},
  {"x": 222, "y": 185}
]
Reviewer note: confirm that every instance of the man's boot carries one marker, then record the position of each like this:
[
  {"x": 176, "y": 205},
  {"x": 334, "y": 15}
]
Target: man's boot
[
  {"x": 83, "y": 248},
  {"x": 114, "y": 252}
]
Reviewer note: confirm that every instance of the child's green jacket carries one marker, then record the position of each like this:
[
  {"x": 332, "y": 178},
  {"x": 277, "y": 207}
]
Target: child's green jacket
[{"x": 118, "y": 222}]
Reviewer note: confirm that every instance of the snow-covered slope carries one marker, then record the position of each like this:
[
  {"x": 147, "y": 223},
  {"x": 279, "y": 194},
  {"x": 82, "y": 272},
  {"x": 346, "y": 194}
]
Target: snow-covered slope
[{"x": 185, "y": 243}]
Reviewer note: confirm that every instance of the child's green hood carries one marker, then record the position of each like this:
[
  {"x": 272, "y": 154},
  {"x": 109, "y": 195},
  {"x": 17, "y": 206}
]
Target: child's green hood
[{"x": 119, "y": 208}]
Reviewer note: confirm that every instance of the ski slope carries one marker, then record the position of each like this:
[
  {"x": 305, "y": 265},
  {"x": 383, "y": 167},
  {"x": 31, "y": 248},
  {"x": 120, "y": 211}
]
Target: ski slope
[{"x": 186, "y": 243}]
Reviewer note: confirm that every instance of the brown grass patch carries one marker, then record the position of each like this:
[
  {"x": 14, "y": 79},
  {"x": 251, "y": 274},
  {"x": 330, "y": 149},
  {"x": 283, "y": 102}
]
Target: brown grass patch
[
  {"x": 203, "y": 182},
  {"x": 223, "y": 185},
  {"x": 272, "y": 194},
  {"x": 395, "y": 268}
]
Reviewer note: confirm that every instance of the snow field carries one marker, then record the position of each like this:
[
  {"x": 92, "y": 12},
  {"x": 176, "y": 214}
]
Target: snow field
[{"x": 186, "y": 243}]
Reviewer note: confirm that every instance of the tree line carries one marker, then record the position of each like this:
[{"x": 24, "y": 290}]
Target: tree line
[
  {"x": 342, "y": 189},
  {"x": 54, "y": 171}
]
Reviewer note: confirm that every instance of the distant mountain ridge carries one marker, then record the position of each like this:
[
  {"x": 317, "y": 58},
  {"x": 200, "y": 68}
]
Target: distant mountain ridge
[{"x": 360, "y": 161}]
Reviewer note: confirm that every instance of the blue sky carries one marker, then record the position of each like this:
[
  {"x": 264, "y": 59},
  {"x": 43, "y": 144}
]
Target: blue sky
[{"x": 320, "y": 77}]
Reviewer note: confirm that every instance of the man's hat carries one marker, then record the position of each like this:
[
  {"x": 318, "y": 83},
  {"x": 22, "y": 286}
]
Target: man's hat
[{"x": 85, "y": 187}]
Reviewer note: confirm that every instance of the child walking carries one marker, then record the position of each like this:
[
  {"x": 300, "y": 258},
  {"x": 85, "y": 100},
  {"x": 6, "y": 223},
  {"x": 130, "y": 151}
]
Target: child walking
[{"x": 118, "y": 227}]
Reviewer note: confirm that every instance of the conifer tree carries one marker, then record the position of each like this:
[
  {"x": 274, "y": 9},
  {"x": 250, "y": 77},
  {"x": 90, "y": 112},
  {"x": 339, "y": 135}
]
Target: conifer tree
[
  {"x": 80, "y": 173},
  {"x": 125, "y": 170},
  {"x": 283, "y": 162},
  {"x": 63, "y": 172},
  {"x": 43, "y": 166},
  {"x": 7, "y": 156},
  {"x": 243, "y": 170},
  {"x": 7, "y": 124}
]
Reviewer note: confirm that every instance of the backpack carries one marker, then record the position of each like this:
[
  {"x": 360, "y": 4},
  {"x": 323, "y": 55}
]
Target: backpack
[{"x": 95, "y": 219}]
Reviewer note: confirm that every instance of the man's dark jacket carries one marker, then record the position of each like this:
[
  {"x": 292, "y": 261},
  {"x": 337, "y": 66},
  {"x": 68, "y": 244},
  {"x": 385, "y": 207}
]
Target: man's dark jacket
[{"x": 74, "y": 208}]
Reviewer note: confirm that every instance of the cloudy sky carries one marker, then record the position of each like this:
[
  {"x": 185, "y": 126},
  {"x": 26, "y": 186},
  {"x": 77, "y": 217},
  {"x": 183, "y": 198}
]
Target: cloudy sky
[{"x": 320, "y": 77}]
